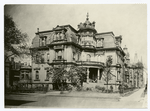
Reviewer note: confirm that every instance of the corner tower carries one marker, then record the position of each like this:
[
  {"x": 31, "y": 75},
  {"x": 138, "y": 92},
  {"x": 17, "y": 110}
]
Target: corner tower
[{"x": 86, "y": 33}]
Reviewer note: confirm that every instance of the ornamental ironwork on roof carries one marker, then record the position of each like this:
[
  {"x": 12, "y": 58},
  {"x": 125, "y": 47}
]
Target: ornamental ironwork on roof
[{"x": 87, "y": 25}]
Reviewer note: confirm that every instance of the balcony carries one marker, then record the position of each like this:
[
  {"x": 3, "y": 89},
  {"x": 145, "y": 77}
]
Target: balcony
[
  {"x": 90, "y": 63},
  {"x": 60, "y": 40},
  {"x": 88, "y": 46},
  {"x": 58, "y": 62}
]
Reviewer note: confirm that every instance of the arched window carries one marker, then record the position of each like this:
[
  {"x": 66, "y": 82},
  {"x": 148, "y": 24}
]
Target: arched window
[
  {"x": 42, "y": 58},
  {"x": 59, "y": 57},
  {"x": 36, "y": 58},
  {"x": 27, "y": 76},
  {"x": 88, "y": 57},
  {"x": 37, "y": 75},
  {"x": 47, "y": 75}
]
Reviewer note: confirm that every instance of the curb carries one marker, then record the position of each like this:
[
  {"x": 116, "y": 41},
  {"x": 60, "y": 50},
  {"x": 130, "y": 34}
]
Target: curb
[{"x": 129, "y": 93}]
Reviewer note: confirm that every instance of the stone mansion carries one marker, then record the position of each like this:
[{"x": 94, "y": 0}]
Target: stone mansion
[{"x": 84, "y": 47}]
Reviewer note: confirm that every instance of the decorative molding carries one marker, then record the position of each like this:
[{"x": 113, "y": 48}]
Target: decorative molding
[
  {"x": 47, "y": 68},
  {"x": 37, "y": 68}
]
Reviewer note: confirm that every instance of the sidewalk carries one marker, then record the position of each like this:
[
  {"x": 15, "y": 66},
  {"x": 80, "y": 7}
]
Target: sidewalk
[
  {"x": 145, "y": 102},
  {"x": 129, "y": 93},
  {"x": 135, "y": 96}
]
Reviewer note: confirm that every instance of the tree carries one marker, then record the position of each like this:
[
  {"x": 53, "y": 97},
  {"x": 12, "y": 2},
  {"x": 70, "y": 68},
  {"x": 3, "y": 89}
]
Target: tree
[
  {"x": 58, "y": 76},
  {"x": 15, "y": 42},
  {"x": 107, "y": 76},
  {"x": 61, "y": 74},
  {"x": 77, "y": 75}
]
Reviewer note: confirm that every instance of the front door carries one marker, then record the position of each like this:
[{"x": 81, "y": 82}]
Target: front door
[{"x": 93, "y": 75}]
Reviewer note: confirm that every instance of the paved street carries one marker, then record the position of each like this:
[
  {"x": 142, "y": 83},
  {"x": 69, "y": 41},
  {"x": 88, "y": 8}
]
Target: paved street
[{"x": 74, "y": 100}]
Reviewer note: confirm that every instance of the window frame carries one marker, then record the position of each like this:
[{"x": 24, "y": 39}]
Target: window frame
[{"x": 37, "y": 75}]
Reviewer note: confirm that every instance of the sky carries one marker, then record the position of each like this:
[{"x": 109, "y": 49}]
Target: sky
[{"x": 128, "y": 20}]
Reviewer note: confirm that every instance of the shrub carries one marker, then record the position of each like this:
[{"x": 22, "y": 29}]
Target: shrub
[
  {"x": 89, "y": 89},
  {"x": 98, "y": 87},
  {"x": 109, "y": 91},
  {"x": 103, "y": 89}
]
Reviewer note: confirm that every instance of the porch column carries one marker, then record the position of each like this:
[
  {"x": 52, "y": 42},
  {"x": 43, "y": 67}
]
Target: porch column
[
  {"x": 98, "y": 75},
  {"x": 87, "y": 80}
]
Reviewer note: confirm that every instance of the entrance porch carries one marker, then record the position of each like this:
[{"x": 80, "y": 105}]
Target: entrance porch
[{"x": 94, "y": 75}]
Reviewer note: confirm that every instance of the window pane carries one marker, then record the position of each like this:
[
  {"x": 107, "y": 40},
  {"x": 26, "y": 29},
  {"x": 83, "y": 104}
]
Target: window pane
[{"x": 37, "y": 75}]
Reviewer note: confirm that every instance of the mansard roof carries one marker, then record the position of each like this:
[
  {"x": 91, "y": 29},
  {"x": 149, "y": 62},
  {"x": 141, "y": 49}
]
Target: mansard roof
[
  {"x": 105, "y": 33},
  {"x": 58, "y": 28}
]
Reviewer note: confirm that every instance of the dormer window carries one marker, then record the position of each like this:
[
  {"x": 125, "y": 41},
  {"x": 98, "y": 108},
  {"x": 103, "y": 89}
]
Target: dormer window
[
  {"x": 118, "y": 40},
  {"x": 43, "y": 42},
  {"x": 100, "y": 42},
  {"x": 57, "y": 36}
]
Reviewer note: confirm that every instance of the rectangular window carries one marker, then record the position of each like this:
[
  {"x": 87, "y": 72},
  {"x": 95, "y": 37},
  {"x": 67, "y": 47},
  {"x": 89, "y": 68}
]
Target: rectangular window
[{"x": 59, "y": 57}]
